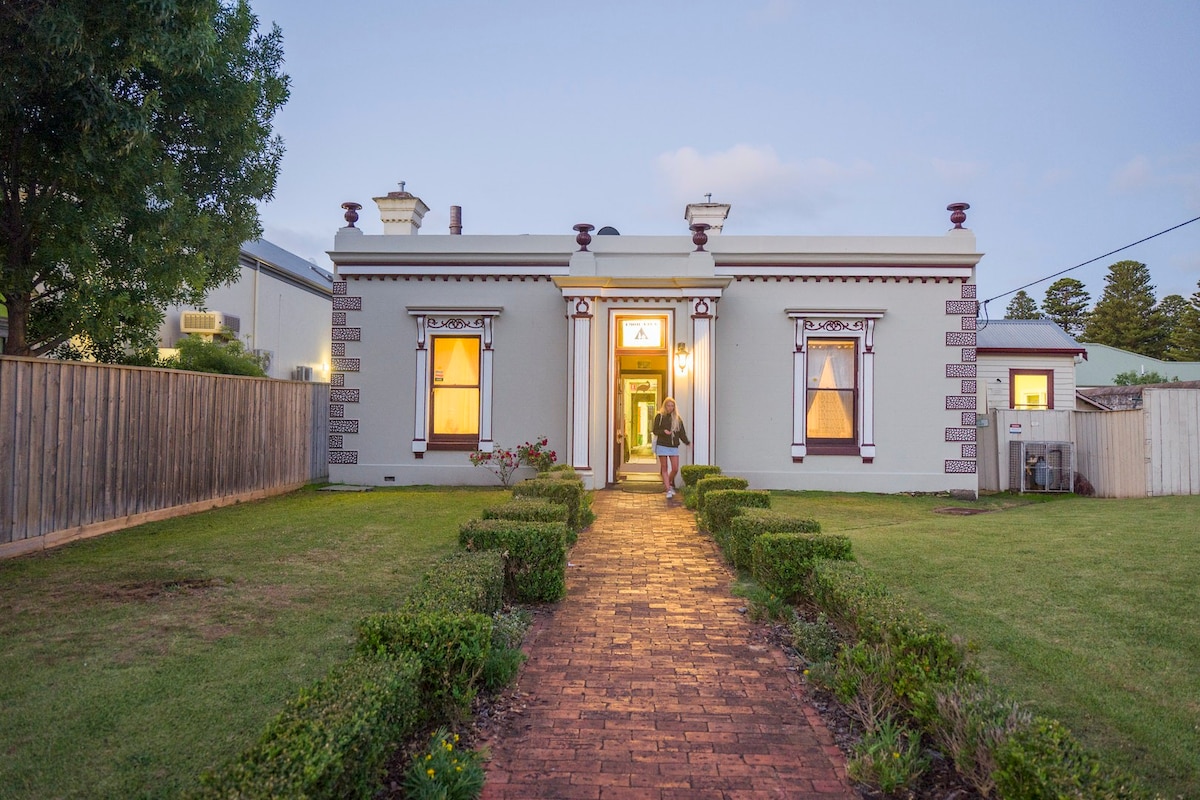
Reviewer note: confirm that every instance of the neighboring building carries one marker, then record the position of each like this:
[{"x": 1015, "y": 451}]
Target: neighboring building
[
  {"x": 1027, "y": 364},
  {"x": 1105, "y": 363},
  {"x": 279, "y": 308},
  {"x": 839, "y": 363},
  {"x": 1127, "y": 398}
]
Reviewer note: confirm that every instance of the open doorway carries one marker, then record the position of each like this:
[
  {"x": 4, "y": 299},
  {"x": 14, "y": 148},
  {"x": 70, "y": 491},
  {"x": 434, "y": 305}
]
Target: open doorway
[{"x": 639, "y": 386}]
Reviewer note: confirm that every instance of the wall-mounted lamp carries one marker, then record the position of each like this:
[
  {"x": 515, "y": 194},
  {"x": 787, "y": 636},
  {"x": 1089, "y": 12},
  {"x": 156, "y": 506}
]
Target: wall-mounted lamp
[{"x": 681, "y": 358}]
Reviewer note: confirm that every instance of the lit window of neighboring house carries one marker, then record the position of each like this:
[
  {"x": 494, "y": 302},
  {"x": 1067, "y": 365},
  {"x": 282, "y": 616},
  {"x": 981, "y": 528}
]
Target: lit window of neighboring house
[
  {"x": 454, "y": 364},
  {"x": 1031, "y": 389},
  {"x": 833, "y": 382}
]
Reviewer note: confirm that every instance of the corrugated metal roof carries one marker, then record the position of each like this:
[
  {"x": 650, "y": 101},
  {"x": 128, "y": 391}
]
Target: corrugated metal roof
[
  {"x": 288, "y": 262},
  {"x": 1025, "y": 334}
]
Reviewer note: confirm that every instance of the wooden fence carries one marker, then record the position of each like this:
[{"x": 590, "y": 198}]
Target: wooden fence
[
  {"x": 90, "y": 448},
  {"x": 1152, "y": 451}
]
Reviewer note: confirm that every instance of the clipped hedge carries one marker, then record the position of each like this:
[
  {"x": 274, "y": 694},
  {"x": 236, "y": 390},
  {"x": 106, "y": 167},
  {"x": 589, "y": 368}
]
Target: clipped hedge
[
  {"x": 1045, "y": 760},
  {"x": 754, "y": 522},
  {"x": 565, "y": 491},
  {"x": 562, "y": 471},
  {"x": 333, "y": 740},
  {"x": 783, "y": 562},
  {"x": 692, "y": 473},
  {"x": 720, "y": 506},
  {"x": 920, "y": 653},
  {"x": 713, "y": 482},
  {"x": 528, "y": 509},
  {"x": 452, "y": 649},
  {"x": 463, "y": 581},
  {"x": 535, "y": 560}
]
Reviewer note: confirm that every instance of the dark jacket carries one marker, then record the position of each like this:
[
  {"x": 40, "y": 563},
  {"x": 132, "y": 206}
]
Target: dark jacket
[{"x": 665, "y": 436}]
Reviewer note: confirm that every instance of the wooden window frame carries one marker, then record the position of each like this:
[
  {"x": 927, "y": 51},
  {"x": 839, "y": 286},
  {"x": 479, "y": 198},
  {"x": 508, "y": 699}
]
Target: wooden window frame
[{"x": 1048, "y": 374}]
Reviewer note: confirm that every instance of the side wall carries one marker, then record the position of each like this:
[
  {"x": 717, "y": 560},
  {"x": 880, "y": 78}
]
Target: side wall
[
  {"x": 994, "y": 382},
  {"x": 374, "y": 397}
]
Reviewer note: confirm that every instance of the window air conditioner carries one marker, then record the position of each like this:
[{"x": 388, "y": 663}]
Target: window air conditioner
[
  {"x": 302, "y": 374},
  {"x": 208, "y": 322}
]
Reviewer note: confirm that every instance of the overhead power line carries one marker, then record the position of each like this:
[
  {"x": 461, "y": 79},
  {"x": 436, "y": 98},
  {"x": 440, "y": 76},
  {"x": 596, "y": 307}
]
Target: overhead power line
[{"x": 983, "y": 305}]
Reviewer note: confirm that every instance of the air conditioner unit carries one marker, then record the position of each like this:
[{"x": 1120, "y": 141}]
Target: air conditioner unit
[
  {"x": 302, "y": 374},
  {"x": 201, "y": 322},
  {"x": 1041, "y": 467},
  {"x": 265, "y": 357}
]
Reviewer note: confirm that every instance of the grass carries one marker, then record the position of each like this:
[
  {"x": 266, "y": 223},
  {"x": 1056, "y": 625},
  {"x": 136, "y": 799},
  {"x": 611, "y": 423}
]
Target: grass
[
  {"x": 1085, "y": 610},
  {"x": 134, "y": 661}
]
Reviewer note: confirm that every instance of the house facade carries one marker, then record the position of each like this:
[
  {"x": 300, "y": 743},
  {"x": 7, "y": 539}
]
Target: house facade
[
  {"x": 837, "y": 363},
  {"x": 1027, "y": 364},
  {"x": 278, "y": 308}
]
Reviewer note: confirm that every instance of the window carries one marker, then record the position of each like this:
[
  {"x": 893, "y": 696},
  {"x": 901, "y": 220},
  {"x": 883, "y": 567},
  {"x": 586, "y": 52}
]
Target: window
[
  {"x": 833, "y": 383},
  {"x": 454, "y": 392},
  {"x": 453, "y": 379},
  {"x": 832, "y": 392},
  {"x": 1031, "y": 389}
]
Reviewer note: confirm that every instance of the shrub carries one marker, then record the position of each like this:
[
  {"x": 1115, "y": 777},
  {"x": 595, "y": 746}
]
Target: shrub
[
  {"x": 753, "y": 522},
  {"x": 973, "y": 720},
  {"x": 564, "y": 471},
  {"x": 783, "y": 562},
  {"x": 535, "y": 555},
  {"x": 333, "y": 740},
  {"x": 528, "y": 509},
  {"x": 463, "y": 581},
  {"x": 1045, "y": 761},
  {"x": 564, "y": 491},
  {"x": 711, "y": 482},
  {"x": 888, "y": 759},
  {"x": 451, "y": 648},
  {"x": 692, "y": 473},
  {"x": 444, "y": 771},
  {"x": 816, "y": 641},
  {"x": 922, "y": 655},
  {"x": 505, "y": 658},
  {"x": 720, "y": 505}
]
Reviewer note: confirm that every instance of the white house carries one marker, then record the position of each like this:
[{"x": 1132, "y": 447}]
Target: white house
[
  {"x": 279, "y": 308},
  {"x": 1027, "y": 364},
  {"x": 798, "y": 362}
]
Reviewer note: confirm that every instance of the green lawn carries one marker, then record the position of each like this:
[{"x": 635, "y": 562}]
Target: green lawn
[
  {"x": 1085, "y": 610},
  {"x": 132, "y": 662}
]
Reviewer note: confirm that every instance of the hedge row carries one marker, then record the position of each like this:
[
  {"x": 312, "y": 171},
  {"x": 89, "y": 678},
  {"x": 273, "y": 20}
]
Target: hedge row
[
  {"x": 898, "y": 662},
  {"x": 535, "y": 555}
]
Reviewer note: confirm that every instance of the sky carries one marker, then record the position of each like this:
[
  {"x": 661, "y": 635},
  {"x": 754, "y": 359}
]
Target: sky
[{"x": 1071, "y": 127}]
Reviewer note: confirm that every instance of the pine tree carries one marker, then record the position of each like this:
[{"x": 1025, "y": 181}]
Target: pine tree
[
  {"x": 1066, "y": 303},
  {"x": 1125, "y": 316},
  {"x": 1022, "y": 306},
  {"x": 1184, "y": 342}
]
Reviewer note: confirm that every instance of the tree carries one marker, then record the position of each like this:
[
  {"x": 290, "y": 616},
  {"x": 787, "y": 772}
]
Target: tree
[
  {"x": 228, "y": 357},
  {"x": 1066, "y": 303},
  {"x": 135, "y": 143},
  {"x": 1184, "y": 341},
  {"x": 1022, "y": 306},
  {"x": 1170, "y": 311},
  {"x": 1125, "y": 315},
  {"x": 1135, "y": 378}
]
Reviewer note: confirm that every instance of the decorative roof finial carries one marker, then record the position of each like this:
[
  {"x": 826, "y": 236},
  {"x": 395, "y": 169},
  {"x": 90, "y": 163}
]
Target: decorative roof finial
[
  {"x": 699, "y": 237},
  {"x": 351, "y": 214},
  {"x": 583, "y": 238},
  {"x": 958, "y": 214}
]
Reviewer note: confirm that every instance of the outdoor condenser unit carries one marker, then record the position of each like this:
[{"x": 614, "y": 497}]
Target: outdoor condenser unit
[{"x": 1041, "y": 467}]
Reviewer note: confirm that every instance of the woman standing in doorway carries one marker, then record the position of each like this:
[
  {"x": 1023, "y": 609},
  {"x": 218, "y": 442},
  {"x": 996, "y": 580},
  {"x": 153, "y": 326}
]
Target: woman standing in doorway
[{"x": 668, "y": 433}]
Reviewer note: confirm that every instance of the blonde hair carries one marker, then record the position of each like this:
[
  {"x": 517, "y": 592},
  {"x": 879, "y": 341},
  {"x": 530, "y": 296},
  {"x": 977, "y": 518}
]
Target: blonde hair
[{"x": 676, "y": 422}]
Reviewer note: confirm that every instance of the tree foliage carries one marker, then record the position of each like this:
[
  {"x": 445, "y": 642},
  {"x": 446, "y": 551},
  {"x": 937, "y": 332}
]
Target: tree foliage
[
  {"x": 1183, "y": 344},
  {"x": 228, "y": 357},
  {"x": 1066, "y": 304},
  {"x": 135, "y": 143},
  {"x": 1125, "y": 315},
  {"x": 1022, "y": 306},
  {"x": 1135, "y": 378}
]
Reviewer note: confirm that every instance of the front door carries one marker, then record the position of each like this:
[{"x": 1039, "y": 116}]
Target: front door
[{"x": 639, "y": 386}]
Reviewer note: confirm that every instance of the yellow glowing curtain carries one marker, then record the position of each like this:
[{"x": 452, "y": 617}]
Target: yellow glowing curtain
[
  {"x": 831, "y": 390},
  {"x": 455, "y": 392}
]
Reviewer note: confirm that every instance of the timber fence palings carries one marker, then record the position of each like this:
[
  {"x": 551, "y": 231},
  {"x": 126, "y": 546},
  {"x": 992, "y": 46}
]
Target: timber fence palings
[{"x": 89, "y": 448}]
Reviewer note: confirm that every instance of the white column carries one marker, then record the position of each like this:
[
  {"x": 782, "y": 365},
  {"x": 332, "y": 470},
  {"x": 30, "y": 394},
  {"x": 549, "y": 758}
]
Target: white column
[
  {"x": 867, "y": 404},
  {"x": 421, "y": 417},
  {"x": 799, "y": 393},
  {"x": 580, "y": 435},
  {"x": 702, "y": 380},
  {"x": 486, "y": 444}
]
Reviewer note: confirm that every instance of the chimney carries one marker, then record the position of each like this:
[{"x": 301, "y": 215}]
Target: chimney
[
  {"x": 455, "y": 220},
  {"x": 707, "y": 213},
  {"x": 401, "y": 212}
]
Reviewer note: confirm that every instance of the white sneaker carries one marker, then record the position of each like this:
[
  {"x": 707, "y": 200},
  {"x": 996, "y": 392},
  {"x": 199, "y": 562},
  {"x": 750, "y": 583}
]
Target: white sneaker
[{"x": 670, "y": 493}]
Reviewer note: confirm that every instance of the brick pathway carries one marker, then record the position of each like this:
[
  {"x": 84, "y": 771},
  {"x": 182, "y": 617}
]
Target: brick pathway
[{"x": 645, "y": 682}]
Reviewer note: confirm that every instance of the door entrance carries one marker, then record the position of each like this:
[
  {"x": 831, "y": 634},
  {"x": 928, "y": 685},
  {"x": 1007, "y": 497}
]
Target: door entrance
[
  {"x": 640, "y": 382},
  {"x": 641, "y": 395}
]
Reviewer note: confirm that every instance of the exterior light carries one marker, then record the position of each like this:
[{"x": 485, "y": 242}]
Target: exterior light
[{"x": 681, "y": 358}]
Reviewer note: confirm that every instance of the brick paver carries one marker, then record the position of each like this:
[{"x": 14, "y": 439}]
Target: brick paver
[{"x": 646, "y": 682}]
